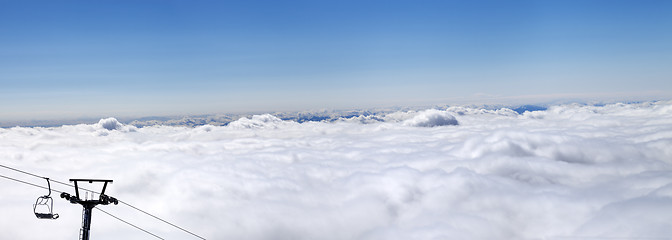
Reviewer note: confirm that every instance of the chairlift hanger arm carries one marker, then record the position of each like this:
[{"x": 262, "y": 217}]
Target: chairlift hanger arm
[{"x": 48, "y": 186}]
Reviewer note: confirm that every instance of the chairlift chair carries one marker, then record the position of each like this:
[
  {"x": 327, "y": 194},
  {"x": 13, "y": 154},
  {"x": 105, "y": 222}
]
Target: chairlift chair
[{"x": 46, "y": 206}]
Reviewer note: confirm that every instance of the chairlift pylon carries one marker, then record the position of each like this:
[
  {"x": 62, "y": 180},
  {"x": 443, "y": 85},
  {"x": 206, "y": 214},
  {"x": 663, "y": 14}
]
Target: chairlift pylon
[
  {"x": 88, "y": 204},
  {"x": 45, "y": 203}
]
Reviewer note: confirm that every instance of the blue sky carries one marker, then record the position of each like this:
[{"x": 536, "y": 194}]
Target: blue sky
[{"x": 68, "y": 59}]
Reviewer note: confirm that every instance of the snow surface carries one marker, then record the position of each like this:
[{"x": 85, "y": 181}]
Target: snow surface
[{"x": 569, "y": 172}]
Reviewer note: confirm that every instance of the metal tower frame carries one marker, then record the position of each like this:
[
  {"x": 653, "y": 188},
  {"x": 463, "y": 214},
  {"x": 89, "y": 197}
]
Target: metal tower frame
[{"x": 88, "y": 204}]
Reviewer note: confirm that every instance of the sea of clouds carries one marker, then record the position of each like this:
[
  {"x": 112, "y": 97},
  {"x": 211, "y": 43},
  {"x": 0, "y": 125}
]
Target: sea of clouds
[{"x": 569, "y": 172}]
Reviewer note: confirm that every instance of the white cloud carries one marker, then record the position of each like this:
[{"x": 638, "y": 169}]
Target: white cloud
[
  {"x": 572, "y": 171},
  {"x": 109, "y": 123},
  {"x": 257, "y": 121},
  {"x": 431, "y": 118}
]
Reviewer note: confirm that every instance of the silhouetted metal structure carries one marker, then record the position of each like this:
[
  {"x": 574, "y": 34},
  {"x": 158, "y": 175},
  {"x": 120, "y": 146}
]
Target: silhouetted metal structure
[{"x": 88, "y": 204}]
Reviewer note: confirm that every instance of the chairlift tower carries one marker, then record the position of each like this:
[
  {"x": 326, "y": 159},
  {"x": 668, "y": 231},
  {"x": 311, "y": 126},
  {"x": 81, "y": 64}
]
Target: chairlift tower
[{"x": 88, "y": 204}]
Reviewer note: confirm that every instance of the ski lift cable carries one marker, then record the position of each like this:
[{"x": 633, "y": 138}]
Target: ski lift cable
[
  {"x": 32, "y": 184},
  {"x": 38, "y": 176},
  {"x": 149, "y": 214},
  {"x": 24, "y": 172},
  {"x": 125, "y": 203},
  {"x": 56, "y": 181},
  {"x": 124, "y": 221}
]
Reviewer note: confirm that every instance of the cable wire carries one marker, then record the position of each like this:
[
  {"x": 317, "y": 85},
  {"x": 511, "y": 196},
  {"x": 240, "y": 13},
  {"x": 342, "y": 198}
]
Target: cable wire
[
  {"x": 24, "y": 172},
  {"x": 24, "y": 182},
  {"x": 139, "y": 228},
  {"x": 38, "y": 176},
  {"x": 70, "y": 185},
  {"x": 149, "y": 214},
  {"x": 56, "y": 181}
]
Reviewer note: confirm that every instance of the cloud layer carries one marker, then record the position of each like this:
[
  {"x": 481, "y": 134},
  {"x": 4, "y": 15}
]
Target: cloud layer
[{"x": 571, "y": 171}]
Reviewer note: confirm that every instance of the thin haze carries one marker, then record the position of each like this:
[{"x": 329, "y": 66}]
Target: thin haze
[{"x": 66, "y": 59}]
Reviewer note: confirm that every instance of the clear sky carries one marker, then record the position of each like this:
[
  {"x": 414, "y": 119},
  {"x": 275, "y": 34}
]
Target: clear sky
[{"x": 68, "y": 59}]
